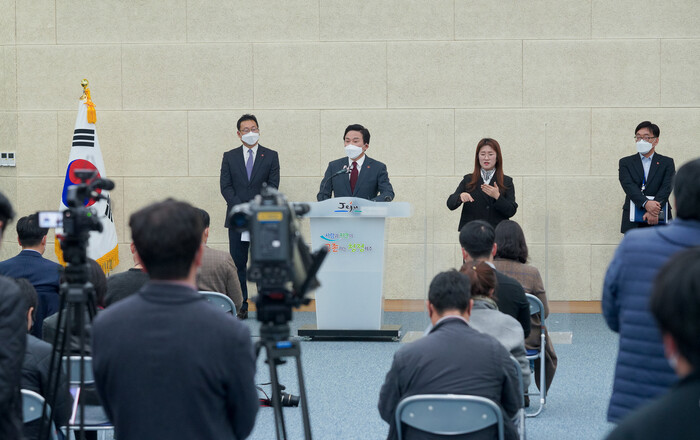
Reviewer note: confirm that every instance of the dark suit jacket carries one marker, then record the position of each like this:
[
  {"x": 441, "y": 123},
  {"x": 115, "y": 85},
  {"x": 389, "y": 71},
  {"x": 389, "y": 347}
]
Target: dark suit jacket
[
  {"x": 659, "y": 184},
  {"x": 169, "y": 365},
  {"x": 233, "y": 180},
  {"x": 45, "y": 277},
  {"x": 484, "y": 207},
  {"x": 13, "y": 339},
  {"x": 452, "y": 359},
  {"x": 511, "y": 300},
  {"x": 35, "y": 377},
  {"x": 372, "y": 182}
]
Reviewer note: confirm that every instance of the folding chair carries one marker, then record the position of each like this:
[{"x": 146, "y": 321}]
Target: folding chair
[
  {"x": 448, "y": 414},
  {"x": 220, "y": 300},
  {"x": 536, "y": 306},
  {"x": 519, "y": 418},
  {"x": 32, "y": 406},
  {"x": 95, "y": 417}
]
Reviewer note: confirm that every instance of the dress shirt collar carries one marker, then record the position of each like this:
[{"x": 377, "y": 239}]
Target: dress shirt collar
[
  {"x": 245, "y": 152},
  {"x": 359, "y": 161}
]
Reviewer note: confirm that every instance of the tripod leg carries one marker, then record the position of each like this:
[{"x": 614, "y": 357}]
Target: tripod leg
[
  {"x": 280, "y": 429},
  {"x": 302, "y": 395}
]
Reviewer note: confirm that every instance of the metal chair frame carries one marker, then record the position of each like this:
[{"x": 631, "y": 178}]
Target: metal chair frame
[
  {"x": 536, "y": 306},
  {"x": 448, "y": 414},
  {"x": 74, "y": 379},
  {"x": 519, "y": 418}
]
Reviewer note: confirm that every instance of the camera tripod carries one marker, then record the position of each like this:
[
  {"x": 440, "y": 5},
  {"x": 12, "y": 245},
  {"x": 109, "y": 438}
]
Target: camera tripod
[{"x": 274, "y": 338}]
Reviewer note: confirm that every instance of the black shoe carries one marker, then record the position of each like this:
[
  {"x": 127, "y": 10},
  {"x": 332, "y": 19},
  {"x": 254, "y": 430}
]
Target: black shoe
[{"x": 243, "y": 314}]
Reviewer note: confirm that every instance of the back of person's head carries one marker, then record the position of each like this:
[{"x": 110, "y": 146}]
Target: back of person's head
[
  {"x": 450, "y": 290},
  {"x": 477, "y": 238},
  {"x": 29, "y": 293},
  {"x": 361, "y": 129},
  {"x": 167, "y": 236},
  {"x": 29, "y": 233},
  {"x": 686, "y": 187},
  {"x": 205, "y": 217},
  {"x": 652, "y": 127},
  {"x": 6, "y": 213},
  {"x": 482, "y": 277},
  {"x": 510, "y": 241},
  {"x": 98, "y": 279},
  {"x": 246, "y": 117},
  {"x": 675, "y": 302}
]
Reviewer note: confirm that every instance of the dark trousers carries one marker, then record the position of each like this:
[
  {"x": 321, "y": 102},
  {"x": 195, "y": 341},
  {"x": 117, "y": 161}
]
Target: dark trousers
[{"x": 239, "y": 253}]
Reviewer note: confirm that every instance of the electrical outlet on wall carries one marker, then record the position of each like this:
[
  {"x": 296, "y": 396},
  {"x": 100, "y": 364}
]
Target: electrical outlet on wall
[{"x": 7, "y": 159}]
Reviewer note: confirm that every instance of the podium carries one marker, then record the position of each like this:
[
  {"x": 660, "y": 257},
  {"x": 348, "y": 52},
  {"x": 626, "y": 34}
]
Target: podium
[{"x": 349, "y": 303}]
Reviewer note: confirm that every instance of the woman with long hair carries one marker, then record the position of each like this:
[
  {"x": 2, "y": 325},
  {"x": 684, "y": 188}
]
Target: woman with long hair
[
  {"x": 511, "y": 259},
  {"x": 485, "y": 194}
]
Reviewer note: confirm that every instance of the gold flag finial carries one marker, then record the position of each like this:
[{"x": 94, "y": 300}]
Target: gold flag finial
[{"x": 84, "y": 83}]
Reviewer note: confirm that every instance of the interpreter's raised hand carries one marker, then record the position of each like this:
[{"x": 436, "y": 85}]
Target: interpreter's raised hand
[
  {"x": 466, "y": 197},
  {"x": 491, "y": 191}
]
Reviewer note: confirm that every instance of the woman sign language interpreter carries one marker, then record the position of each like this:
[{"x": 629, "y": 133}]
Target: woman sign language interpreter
[{"x": 485, "y": 194}]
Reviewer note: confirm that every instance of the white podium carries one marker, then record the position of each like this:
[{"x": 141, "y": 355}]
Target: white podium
[{"x": 349, "y": 303}]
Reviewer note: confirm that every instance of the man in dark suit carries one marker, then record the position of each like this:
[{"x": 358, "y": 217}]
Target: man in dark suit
[
  {"x": 646, "y": 178},
  {"x": 452, "y": 359},
  {"x": 30, "y": 264},
  {"x": 244, "y": 170},
  {"x": 167, "y": 364},
  {"x": 478, "y": 240},
  {"x": 13, "y": 340},
  {"x": 356, "y": 175}
]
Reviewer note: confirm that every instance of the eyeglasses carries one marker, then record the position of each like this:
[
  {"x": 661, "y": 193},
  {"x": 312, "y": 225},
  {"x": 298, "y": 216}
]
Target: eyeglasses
[
  {"x": 646, "y": 138},
  {"x": 248, "y": 130}
]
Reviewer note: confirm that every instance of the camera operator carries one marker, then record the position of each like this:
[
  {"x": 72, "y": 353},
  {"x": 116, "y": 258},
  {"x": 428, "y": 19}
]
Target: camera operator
[
  {"x": 13, "y": 330},
  {"x": 168, "y": 364}
]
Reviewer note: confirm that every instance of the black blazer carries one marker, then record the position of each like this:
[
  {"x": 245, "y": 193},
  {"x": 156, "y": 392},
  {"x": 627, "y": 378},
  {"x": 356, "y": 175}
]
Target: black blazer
[
  {"x": 659, "y": 184},
  {"x": 452, "y": 359},
  {"x": 484, "y": 207},
  {"x": 372, "y": 182},
  {"x": 511, "y": 300},
  {"x": 233, "y": 180}
]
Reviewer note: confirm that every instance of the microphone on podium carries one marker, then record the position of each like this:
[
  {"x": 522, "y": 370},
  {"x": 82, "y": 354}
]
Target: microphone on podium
[{"x": 344, "y": 170}]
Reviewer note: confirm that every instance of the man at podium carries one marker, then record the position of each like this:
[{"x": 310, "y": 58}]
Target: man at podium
[{"x": 356, "y": 175}]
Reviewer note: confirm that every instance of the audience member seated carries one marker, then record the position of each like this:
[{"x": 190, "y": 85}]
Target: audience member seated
[
  {"x": 453, "y": 358},
  {"x": 35, "y": 371},
  {"x": 42, "y": 273},
  {"x": 675, "y": 304},
  {"x": 511, "y": 259},
  {"x": 487, "y": 319},
  {"x": 13, "y": 330},
  {"x": 218, "y": 272},
  {"x": 121, "y": 285},
  {"x": 97, "y": 277},
  {"x": 166, "y": 363},
  {"x": 478, "y": 240}
]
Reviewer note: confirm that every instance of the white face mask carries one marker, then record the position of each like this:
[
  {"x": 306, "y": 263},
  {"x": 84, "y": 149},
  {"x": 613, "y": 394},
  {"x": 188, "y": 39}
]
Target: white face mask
[
  {"x": 250, "y": 138},
  {"x": 353, "y": 151},
  {"x": 643, "y": 146}
]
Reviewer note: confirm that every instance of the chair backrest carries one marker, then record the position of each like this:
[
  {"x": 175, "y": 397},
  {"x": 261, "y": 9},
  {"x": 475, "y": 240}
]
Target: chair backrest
[
  {"x": 536, "y": 306},
  {"x": 448, "y": 414},
  {"x": 74, "y": 361},
  {"x": 32, "y": 406},
  {"x": 220, "y": 300}
]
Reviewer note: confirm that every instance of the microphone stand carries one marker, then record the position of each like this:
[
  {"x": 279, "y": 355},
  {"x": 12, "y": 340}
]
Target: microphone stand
[{"x": 344, "y": 170}]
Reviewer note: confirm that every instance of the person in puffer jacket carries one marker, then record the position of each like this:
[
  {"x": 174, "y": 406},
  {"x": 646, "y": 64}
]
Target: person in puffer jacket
[{"x": 642, "y": 372}]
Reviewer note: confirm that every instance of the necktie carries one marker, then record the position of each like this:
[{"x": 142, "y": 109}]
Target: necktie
[
  {"x": 249, "y": 162},
  {"x": 353, "y": 176}
]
